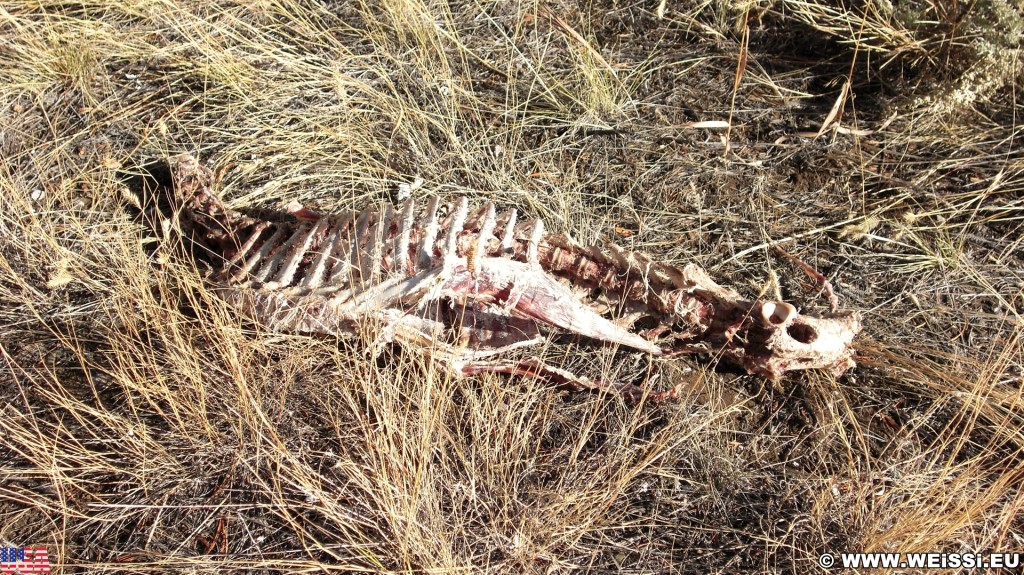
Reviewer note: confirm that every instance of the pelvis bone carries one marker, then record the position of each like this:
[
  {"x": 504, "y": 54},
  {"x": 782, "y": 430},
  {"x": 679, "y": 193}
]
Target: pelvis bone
[{"x": 471, "y": 285}]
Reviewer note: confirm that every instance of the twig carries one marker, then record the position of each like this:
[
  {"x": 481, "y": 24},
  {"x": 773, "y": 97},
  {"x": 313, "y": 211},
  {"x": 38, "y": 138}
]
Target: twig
[{"x": 786, "y": 240}]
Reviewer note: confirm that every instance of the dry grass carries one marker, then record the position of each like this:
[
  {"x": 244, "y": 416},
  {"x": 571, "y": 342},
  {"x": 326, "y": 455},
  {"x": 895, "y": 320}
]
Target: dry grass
[{"x": 152, "y": 430}]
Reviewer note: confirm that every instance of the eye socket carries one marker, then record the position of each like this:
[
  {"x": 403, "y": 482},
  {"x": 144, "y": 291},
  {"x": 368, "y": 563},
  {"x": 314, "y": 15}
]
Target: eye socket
[{"x": 802, "y": 333}]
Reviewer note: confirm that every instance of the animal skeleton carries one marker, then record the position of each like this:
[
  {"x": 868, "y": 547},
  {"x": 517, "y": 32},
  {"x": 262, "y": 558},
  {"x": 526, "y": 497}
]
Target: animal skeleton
[{"x": 472, "y": 285}]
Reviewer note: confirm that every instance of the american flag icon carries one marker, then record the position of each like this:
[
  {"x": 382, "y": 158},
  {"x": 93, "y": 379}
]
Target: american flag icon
[{"x": 24, "y": 560}]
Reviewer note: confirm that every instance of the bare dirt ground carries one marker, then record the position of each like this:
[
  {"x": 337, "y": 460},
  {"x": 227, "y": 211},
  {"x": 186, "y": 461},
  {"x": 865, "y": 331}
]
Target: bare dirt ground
[{"x": 147, "y": 428}]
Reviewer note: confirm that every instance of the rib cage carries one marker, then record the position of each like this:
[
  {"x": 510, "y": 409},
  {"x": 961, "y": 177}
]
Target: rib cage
[
  {"x": 356, "y": 251},
  {"x": 409, "y": 267},
  {"x": 344, "y": 255}
]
